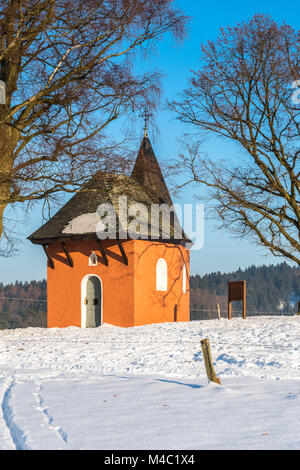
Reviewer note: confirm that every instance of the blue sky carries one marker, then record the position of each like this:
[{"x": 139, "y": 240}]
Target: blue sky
[{"x": 221, "y": 251}]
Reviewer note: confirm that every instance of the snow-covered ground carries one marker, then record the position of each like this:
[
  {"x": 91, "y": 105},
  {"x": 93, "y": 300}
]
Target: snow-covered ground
[{"x": 146, "y": 387}]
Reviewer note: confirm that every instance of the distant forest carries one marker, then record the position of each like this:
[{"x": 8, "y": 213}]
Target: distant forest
[
  {"x": 270, "y": 290},
  {"x": 16, "y": 312}
]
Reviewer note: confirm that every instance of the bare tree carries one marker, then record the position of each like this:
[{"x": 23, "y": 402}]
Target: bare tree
[
  {"x": 67, "y": 67},
  {"x": 244, "y": 93}
]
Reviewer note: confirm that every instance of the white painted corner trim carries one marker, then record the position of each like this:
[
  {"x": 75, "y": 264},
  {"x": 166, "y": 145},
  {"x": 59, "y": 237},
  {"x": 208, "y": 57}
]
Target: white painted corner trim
[{"x": 184, "y": 279}]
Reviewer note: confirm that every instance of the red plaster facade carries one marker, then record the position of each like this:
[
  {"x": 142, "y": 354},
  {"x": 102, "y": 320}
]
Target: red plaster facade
[{"x": 129, "y": 294}]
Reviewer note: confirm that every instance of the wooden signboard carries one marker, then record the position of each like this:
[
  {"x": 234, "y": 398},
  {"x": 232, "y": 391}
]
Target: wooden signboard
[{"x": 237, "y": 291}]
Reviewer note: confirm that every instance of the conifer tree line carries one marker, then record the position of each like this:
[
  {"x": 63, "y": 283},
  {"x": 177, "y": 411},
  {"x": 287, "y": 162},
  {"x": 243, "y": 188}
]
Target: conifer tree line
[
  {"x": 271, "y": 289},
  {"x": 16, "y": 312}
]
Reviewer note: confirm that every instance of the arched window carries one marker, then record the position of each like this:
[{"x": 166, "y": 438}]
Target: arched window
[
  {"x": 161, "y": 275},
  {"x": 93, "y": 259},
  {"x": 184, "y": 279}
]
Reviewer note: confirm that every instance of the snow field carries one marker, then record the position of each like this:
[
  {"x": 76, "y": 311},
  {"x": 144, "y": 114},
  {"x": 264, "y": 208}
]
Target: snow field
[{"x": 146, "y": 387}]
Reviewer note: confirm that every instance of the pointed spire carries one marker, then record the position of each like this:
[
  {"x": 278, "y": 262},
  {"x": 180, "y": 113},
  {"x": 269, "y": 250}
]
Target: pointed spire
[{"x": 148, "y": 173}]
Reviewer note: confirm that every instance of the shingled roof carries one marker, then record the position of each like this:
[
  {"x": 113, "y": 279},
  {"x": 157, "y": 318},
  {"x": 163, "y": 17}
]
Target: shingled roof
[
  {"x": 148, "y": 173},
  {"x": 78, "y": 218}
]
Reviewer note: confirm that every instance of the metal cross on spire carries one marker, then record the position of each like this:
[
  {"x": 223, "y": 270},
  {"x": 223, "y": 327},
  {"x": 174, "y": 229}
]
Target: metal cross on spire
[{"x": 146, "y": 115}]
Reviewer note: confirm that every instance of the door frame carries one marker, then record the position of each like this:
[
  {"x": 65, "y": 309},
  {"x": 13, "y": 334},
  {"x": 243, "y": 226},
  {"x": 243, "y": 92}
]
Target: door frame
[{"x": 83, "y": 296}]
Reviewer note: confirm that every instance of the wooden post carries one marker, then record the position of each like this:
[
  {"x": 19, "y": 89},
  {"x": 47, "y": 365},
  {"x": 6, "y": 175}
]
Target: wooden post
[
  {"x": 219, "y": 313},
  {"x": 51, "y": 262},
  {"x": 122, "y": 252},
  {"x": 102, "y": 251},
  {"x": 244, "y": 300},
  {"x": 69, "y": 258},
  {"x": 229, "y": 309},
  {"x": 210, "y": 371}
]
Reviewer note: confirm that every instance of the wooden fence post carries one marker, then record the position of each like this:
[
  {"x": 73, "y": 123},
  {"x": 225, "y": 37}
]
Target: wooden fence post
[
  {"x": 210, "y": 371},
  {"x": 244, "y": 300},
  {"x": 229, "y": 309},
  {"x": 219, "y": 313}
]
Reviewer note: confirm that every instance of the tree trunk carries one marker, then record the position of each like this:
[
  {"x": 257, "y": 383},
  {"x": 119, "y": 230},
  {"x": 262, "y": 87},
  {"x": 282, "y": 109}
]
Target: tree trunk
[
  {"x": 2, "y": 209},
  {"x": 8, "y": 143}
]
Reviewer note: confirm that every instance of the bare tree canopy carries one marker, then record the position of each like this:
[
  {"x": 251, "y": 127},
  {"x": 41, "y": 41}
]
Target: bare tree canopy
[
  {"x": 246, "y": 93},
  {"x": 68, "y": 72}
]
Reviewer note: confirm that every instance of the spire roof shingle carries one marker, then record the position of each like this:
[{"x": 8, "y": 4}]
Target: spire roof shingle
[{"x": 78, "y": 218}]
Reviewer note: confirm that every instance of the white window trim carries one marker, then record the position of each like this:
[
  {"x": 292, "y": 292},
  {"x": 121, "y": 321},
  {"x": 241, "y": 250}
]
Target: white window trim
[
  {"x": 93, "y": 255},
  {"x": 184, "y": 278},
  {"x": 161, "y": 275}
]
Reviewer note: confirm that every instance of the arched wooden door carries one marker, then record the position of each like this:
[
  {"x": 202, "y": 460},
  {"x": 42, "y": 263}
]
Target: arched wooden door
[{"x": 93, "y": 302}]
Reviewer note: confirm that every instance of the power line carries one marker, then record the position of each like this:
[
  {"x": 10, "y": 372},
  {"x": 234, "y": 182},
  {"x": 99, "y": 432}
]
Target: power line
[
  {"x": 23, "y": 299},
  {"x": 238, "y": 311}
]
